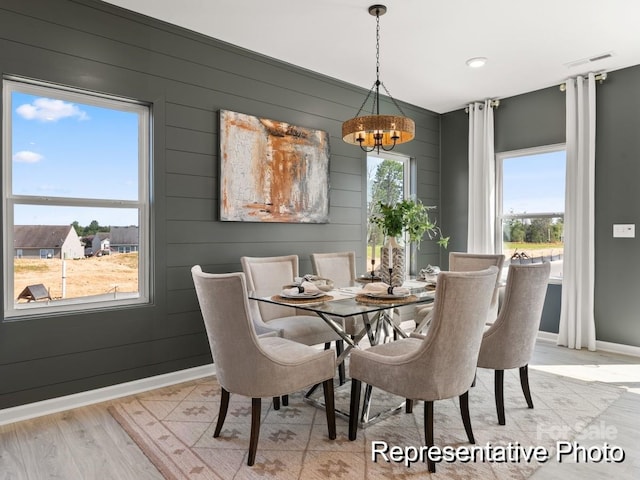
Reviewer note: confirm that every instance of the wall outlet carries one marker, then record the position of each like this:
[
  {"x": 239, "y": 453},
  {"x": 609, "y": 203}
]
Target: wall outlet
[{"x": 624, "y": 230}]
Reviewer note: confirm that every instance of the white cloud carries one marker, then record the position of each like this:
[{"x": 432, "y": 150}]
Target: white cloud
[
  {"x": 50, "y": 110},
  {"x": 25, "y": 156}
]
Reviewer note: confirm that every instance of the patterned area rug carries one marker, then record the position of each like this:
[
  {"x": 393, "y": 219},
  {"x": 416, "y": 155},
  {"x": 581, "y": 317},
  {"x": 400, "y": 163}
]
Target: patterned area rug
[{"x": 174, "y": 428}]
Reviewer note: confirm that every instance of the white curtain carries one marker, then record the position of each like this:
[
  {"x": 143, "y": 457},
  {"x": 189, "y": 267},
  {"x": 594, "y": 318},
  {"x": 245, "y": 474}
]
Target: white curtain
[
  {"x": 482, "y": 179},
  {"x": 577, "y": 324}
]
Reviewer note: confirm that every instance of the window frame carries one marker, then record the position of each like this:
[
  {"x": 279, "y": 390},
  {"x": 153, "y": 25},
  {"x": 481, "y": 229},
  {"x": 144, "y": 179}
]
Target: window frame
[
  {"x": 408, "y": 175},
  {"x": 13, "y": 310},
  {"x": 500, "y": 216},
  {"x": 406, "y": 161},
  {"x": 46, "y": 253}
]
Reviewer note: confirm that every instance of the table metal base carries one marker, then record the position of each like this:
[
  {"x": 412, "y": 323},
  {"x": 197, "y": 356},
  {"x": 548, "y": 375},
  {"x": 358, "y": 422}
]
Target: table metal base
[
  {"x": 365, "y": 412},
  {"x": 374, "y": 328}
]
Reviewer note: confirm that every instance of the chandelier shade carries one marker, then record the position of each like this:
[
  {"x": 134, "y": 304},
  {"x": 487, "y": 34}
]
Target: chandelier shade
[
  {"x": 382, "y": 130},
  {"x": 376, "y": 131}
]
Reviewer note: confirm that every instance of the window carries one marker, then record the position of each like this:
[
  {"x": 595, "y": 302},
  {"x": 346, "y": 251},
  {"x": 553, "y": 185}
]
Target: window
[
  {"x": 387, "y": 182},
  {"x": 530, "y": 204},
  {"x": 76, "y": 173}
]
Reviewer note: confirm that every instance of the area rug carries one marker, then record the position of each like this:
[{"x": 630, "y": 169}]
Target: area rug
[{"x": 174, "y": 427}]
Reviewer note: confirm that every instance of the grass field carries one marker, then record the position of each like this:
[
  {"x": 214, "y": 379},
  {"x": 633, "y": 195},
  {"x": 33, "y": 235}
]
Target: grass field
[
  {"x": 533, "y": 249},
  {"x": 87, "y": 276},
  {"x": 509, "y": 248}
]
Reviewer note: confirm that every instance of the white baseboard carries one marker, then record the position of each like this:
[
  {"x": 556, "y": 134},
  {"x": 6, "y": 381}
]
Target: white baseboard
[
  {"x": 547, "y": 336},
  {"x": 600, "y": 345},
  {"x": 618, "y": 348},
  {"x": 54, "y": 405}
]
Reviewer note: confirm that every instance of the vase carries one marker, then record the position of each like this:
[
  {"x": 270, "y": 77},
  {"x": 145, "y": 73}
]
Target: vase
[{"x": 392, "y": 271}]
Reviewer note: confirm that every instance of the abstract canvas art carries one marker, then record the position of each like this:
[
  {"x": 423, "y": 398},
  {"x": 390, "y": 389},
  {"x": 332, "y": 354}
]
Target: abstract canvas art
[{"x": 272, "y": 171}]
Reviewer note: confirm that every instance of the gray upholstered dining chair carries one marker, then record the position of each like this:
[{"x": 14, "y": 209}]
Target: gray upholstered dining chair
[
  {"x": 267, "y": 276},
  {"x": 439, "y": 365},
  {"x": 467, "y": 262},
  {"x": 337, "y": 266},
  {"x": 255, "y": 366},
  {"x": 340, "y": 267},
  {"x": 510, "y": 340}
]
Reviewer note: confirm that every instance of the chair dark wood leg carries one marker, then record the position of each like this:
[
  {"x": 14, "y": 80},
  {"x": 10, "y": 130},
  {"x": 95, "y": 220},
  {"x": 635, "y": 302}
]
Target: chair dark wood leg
[
  {"x": 354, "y": 409},
  {"x": 524, "y": 381},
  {"x": 285, "y": 400},
  {"x": 428, "y": 432},
  {"x": 330, "y": 407},
  {"x": 408, "y": 406},
  {"x": 255, "y": 429},
  {"x": 276, "y": 403},
  {"x": 222, "y": 413},
  {"x": 341, "y": 370},
  {"x": 466, "y": 418},
  {"x": 498, "y": 389}
]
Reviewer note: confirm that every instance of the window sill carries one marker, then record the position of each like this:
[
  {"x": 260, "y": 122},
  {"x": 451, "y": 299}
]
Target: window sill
[{"x": 25, "y": 311}]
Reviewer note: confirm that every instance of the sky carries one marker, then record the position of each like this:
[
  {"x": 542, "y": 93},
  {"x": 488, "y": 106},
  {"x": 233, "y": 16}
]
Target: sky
[
  {"x": 64, "y": 149},
  {"x": 531, "y": 183},
  {"x": 534, "y": 183}
]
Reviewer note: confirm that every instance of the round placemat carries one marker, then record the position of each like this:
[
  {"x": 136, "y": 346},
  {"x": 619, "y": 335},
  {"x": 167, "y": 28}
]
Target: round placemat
[
  {"x": 385, "y": 301},
  {"x": 318, "y": 299}
]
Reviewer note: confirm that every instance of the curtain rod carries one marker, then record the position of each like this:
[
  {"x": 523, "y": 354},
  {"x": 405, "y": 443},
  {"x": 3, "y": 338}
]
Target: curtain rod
[
  {"x": 600, "y": 77},
  {"x": 492, "y": 104}
]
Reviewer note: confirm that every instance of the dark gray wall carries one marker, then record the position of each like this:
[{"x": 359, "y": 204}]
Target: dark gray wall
[
  {"x": 187, "y": 78},
  {"x": 538, "y": 118},
  {"x": 454, "y": 180},
  {"x": 617, "y": 303}
]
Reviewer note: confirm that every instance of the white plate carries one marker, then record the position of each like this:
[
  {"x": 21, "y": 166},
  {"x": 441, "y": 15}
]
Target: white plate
[
  {"x": 302, "y": 295},
  {"x": 387, "y": 295}
]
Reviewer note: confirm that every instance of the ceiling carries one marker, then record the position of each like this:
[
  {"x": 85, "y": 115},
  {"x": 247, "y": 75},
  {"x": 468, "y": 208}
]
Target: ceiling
[{"x": 424, "y": 44}]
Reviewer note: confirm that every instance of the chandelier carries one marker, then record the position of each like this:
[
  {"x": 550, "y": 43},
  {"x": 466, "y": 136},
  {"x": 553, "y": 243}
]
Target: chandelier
[{"x": 375, "y": 131}]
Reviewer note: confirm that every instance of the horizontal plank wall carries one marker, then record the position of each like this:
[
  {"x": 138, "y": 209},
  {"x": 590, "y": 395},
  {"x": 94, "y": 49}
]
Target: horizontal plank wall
[
  {"x": 187, "y": 78},
  {"x": 538, "y": 118}
]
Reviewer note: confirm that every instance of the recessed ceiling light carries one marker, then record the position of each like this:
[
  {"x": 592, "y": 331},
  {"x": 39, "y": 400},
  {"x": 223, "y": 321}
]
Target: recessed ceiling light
[{"x": 476, "y": 62}]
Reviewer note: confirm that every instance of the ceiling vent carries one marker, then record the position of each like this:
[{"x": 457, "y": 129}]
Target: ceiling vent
[{"x": 585, "y": 61}]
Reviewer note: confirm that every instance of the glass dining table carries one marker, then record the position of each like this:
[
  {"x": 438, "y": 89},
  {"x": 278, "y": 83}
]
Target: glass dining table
[{"x": 377, "y": 321}]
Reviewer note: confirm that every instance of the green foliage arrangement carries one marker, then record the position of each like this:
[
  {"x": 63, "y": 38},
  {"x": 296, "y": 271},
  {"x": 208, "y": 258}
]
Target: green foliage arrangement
[{"x": 408, "y": 216}]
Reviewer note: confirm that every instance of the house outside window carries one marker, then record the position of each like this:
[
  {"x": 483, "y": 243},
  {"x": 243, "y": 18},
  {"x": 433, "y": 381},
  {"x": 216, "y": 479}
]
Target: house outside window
[
  {"x": 75, "y": 167},
  {"x": 530, "y": 190}
]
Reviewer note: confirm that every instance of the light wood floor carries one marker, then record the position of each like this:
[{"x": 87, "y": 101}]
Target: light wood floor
[{"x": 87, "y": 443}]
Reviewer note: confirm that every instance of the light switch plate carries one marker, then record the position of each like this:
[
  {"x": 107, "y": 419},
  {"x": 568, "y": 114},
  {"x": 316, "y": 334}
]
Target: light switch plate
[{"x": 624, "y": 230}]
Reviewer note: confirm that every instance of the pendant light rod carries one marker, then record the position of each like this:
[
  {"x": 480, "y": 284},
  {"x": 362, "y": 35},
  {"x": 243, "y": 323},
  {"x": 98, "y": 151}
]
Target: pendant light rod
[
  {"x": 377, "y": 10},
  {"x": 376, "y": 131}
]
